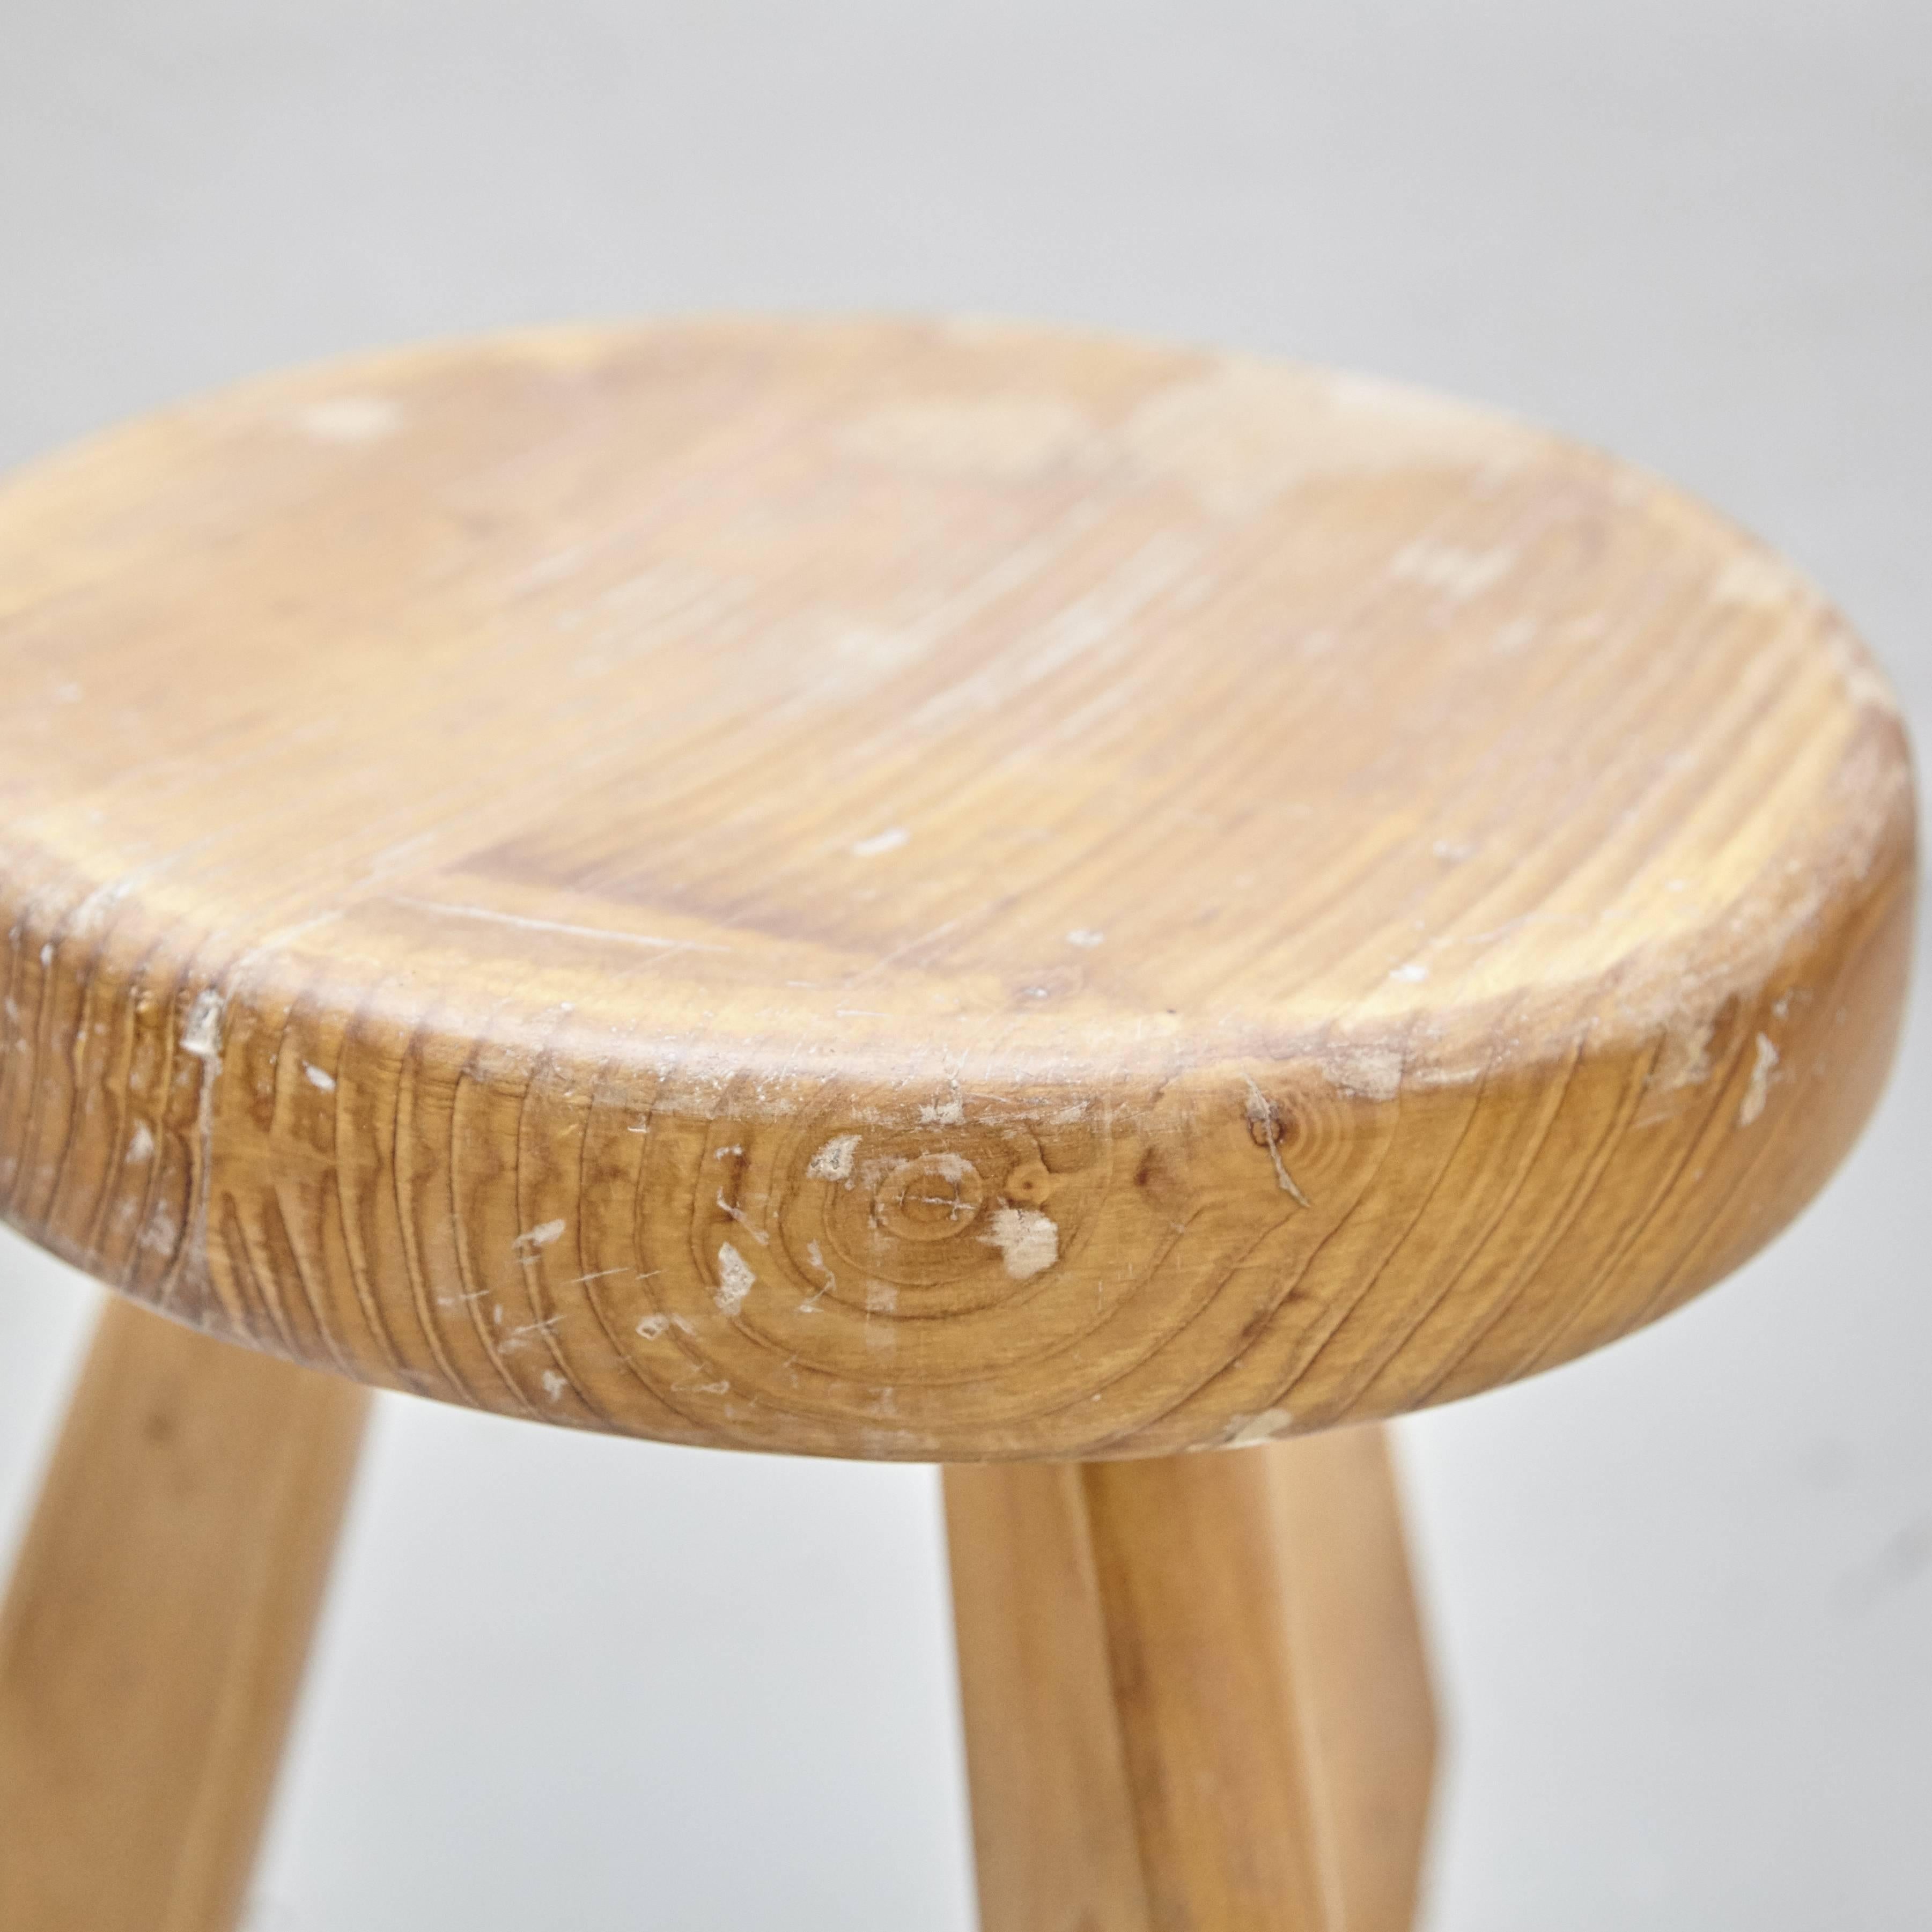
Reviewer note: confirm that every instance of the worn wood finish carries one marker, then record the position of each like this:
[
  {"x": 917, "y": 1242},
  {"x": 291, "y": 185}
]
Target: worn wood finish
[
  {"x": 919, "y": 891},
  {"x": 1194, "y": 1691},
  {"x": 152, "y": 1639}
]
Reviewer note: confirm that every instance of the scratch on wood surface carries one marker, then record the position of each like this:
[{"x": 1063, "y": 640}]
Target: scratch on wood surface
[
  {"x": 1265, "y": 1122},
  {"x": 816, "y": 1257},
  {"x": 564, "y": 926},
  {"x": 744, "y": 1220}
]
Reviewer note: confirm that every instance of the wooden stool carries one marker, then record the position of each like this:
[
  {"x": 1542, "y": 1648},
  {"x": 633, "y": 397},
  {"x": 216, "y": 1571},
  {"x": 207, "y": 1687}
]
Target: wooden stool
[{"x": 943, "y": 893}]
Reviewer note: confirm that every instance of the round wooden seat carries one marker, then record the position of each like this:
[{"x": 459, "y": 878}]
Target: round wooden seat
[{"x": 933, "y": 892}]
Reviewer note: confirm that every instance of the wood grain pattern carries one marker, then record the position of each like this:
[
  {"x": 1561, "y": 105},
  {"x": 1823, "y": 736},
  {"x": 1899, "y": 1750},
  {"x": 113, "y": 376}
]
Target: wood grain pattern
[
  {"x": 1194, "y": 1691},
  {"x": 1055, "y": 1840},
  {"x": 152, "y": 1639},
  {"x": 923, "y": 891},
  {"x": 1354, "y": 1637}
]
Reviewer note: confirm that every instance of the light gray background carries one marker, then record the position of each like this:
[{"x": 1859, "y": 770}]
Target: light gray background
[{"x": 1680, "y": 1590}]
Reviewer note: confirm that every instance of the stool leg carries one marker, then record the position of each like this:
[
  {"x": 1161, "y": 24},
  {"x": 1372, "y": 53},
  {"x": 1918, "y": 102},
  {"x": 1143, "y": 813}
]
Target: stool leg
[
  {"x": 1194, "y": 1691},
  {"x": 152, "y": 1640}
]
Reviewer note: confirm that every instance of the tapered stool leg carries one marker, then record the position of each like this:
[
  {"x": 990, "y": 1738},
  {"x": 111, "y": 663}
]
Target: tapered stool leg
[
  {"x": 153, "y": 1637},
  {"x": 1194, "y": 1691}
]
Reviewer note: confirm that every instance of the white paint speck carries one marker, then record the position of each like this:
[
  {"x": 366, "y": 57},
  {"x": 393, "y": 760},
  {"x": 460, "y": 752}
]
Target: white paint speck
[
  {"x": 350, "y": 419},
  {"x": 1370, "y": 1073},
  {"x": 833, "y": 1161},
  {"x": 140, "y": 1143},
  {"x": 1027, "y": 1240},
  {"x": 554, "y": 1384},
  {"x": 1243, "y": 1430},
  {"x": 890, "y": 840},
  {"x": 201, "y": 1035},
  {"x": 654, "y": 1327},
  {"x": 1759, "y": 1089},
  {"x": 1757, "y": 582},
  {"x": 735, "y": 1279},
  {"x": 319, "y": 1078},
  {"x": 1085, "y": 936},
  {"x": 68, "y": 693},
  {"x": 948, "y": 1113},
  {"x": 160, "y": 1235},
  {"x": 541, "y": 1236},
  {"x": 1683, "y": 1059},
  {"x": 1414, "y": 973},
  {"x": 1457, "y": 573}
]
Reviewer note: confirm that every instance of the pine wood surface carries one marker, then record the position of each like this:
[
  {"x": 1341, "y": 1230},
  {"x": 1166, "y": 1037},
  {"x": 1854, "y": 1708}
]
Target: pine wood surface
[
  {"x": 1194, "y": 1691},
  {"x": 1355, "y": 1636},
  {"x": 153, "y": 1635},
  {"x": 925, "y": 891}
]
